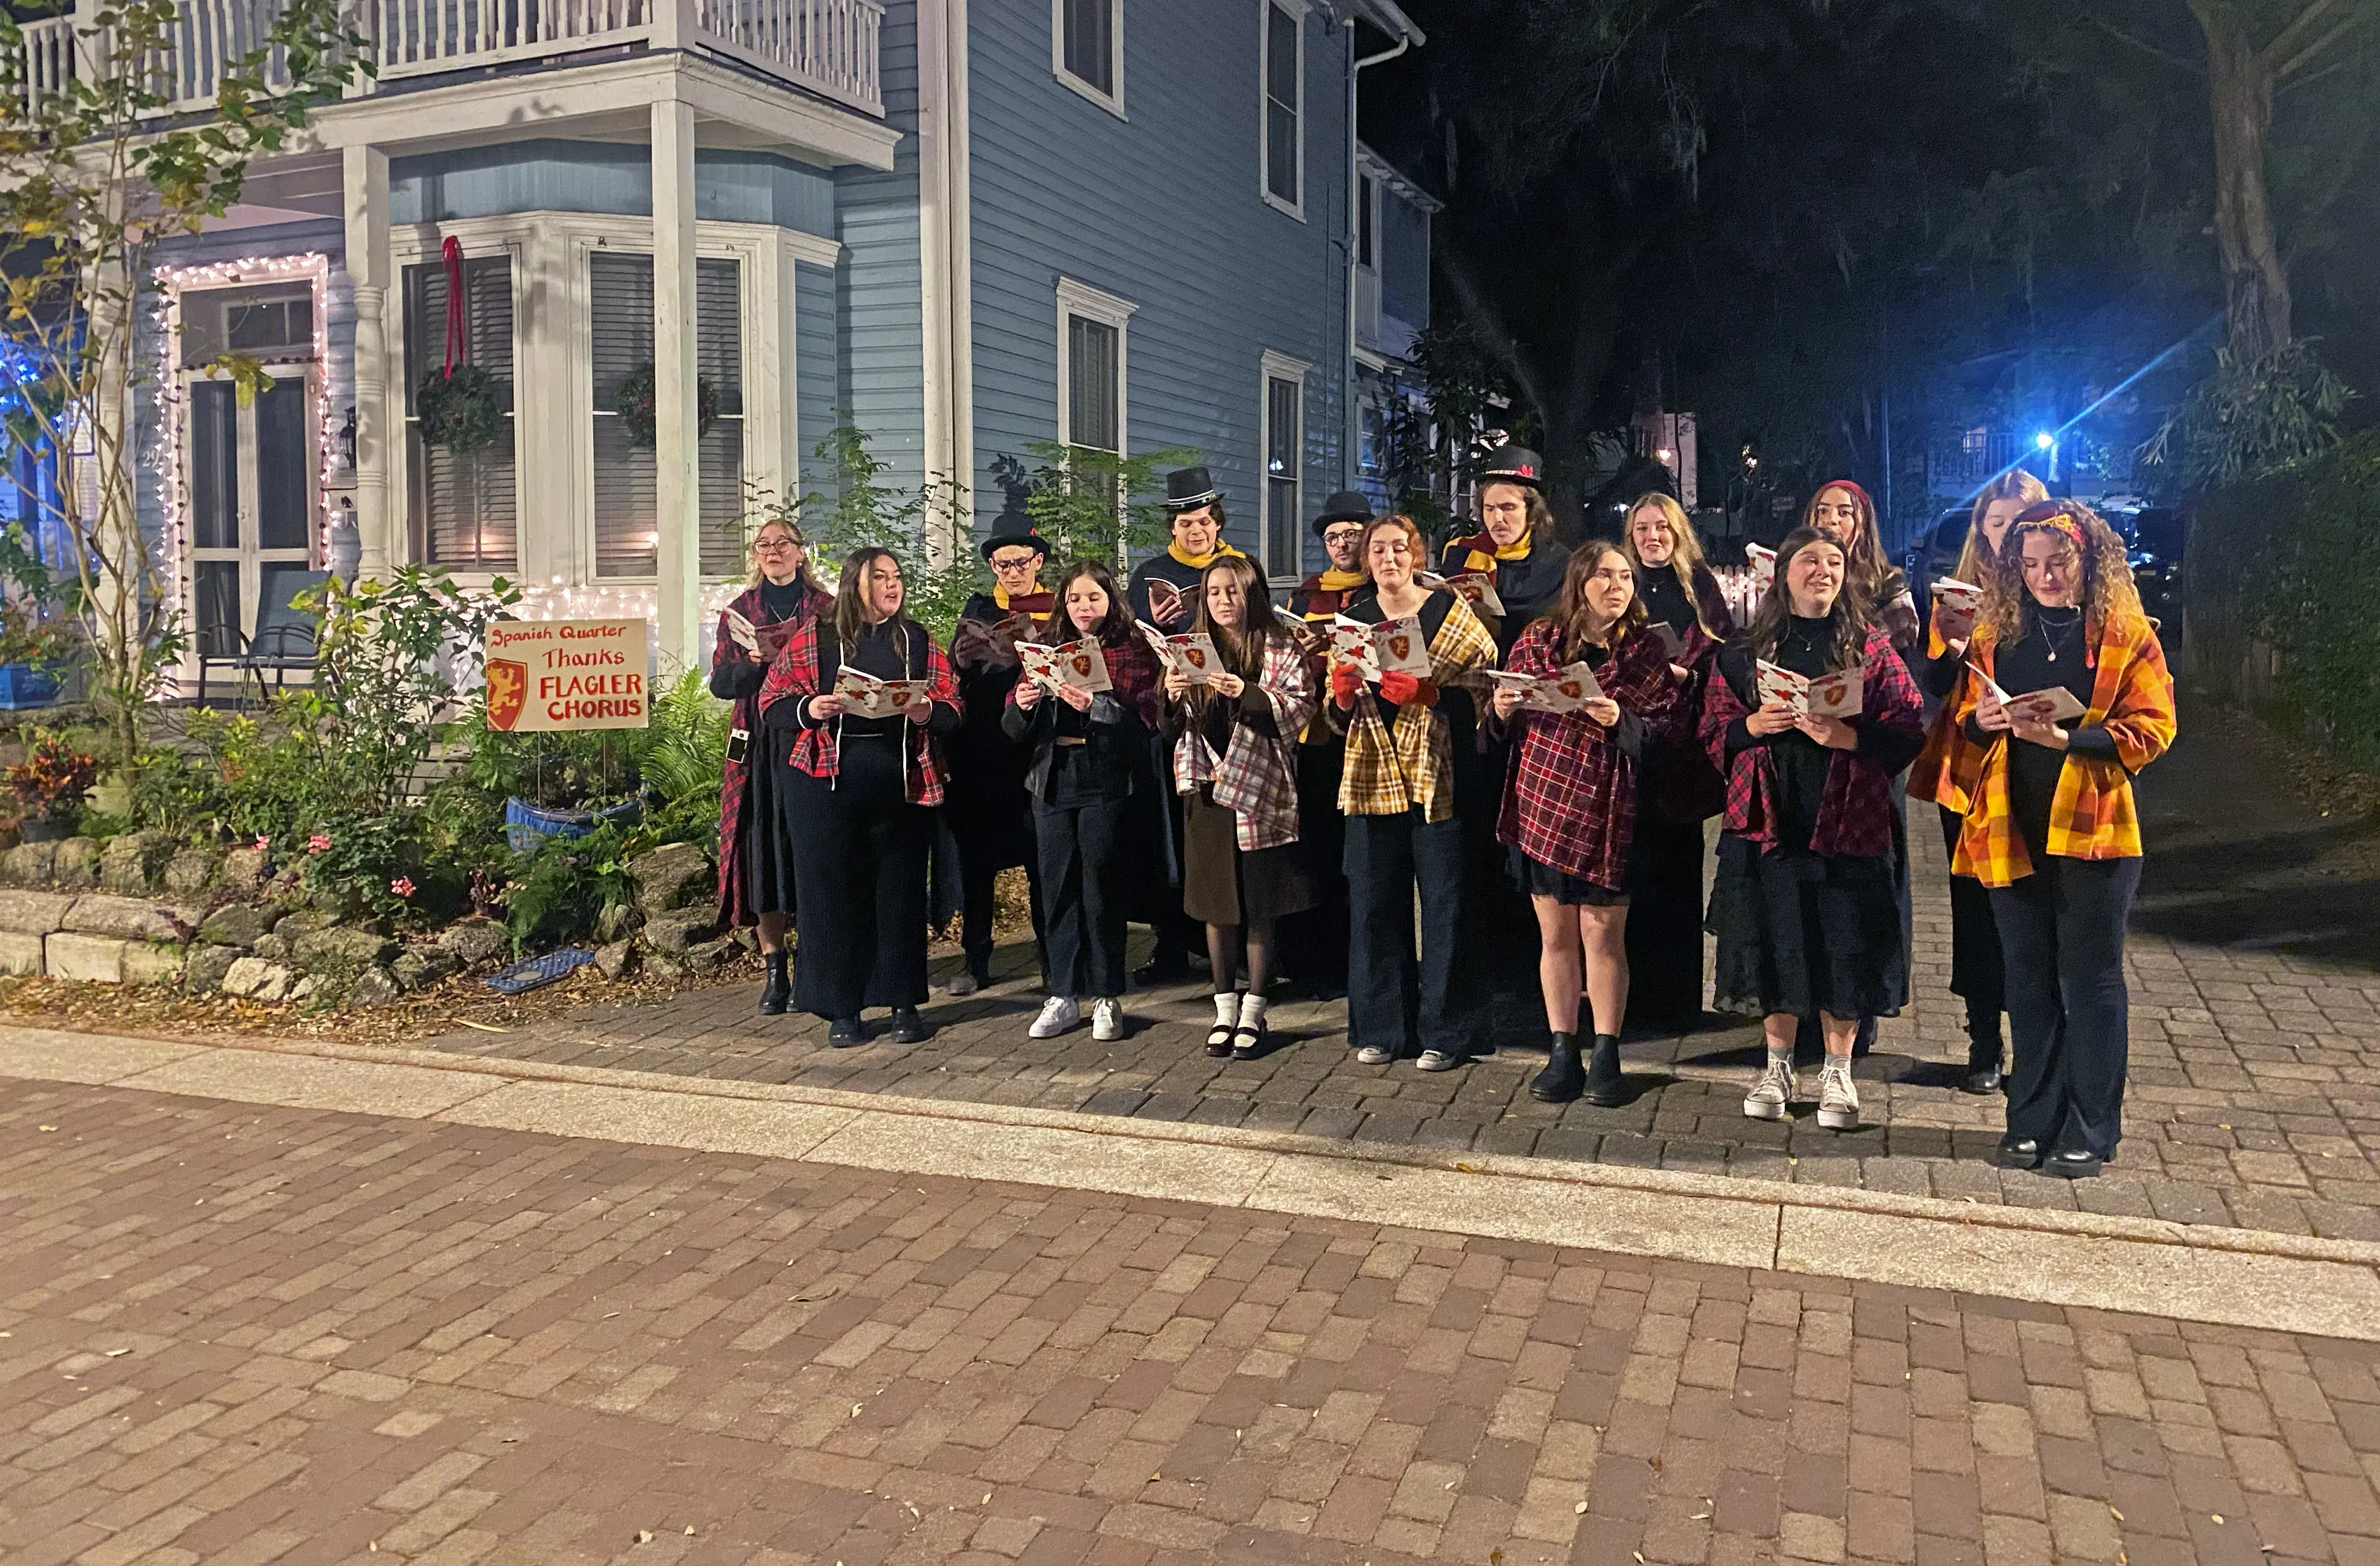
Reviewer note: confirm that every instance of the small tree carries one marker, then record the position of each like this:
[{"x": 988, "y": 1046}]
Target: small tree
[
  {"x": 1093, "y": 504},
  {"x": 865, "y": 511},
  {"x": 88, "y": 186}
]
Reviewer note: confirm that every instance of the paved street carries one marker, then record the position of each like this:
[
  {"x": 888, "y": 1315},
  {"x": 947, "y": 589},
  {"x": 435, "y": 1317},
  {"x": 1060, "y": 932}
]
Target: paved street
[
  {"x": 237, "y": 1334},
  {"x": 2255, "y": 1084}
]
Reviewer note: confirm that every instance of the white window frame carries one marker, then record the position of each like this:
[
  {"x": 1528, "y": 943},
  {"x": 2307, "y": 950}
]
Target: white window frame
[
  {"x": 1111, "y": 102},
  {"x": 1276, "y": 365},
  {"x": 554, "y": 368},
  {"x": 1109, "y": 310},
  {"x": 1296, "y": 10}
]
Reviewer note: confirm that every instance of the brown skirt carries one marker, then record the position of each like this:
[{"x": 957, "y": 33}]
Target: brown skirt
[{"x": 1222, "y": 885}]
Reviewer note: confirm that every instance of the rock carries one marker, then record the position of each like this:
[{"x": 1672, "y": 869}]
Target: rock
[
  {"x": 191, "y": 872},
  {"x": 340, "y": 951},
  {"x": 272, "y": 946},
  {"x": 305, "y": 921},
  {"x": 704, "y": 956},
  {"x": 151, "y": 963},
  {"x": 306, "y": 989},
  {"x": 236, "y": 924},
  {"x": 34, "y": 913},
  {"x": 134, "y": 861},
  {"x": 287, "y": 888},
  {"x": 20, "y": 954},
  {"x": 374, "y": 987},
  {"x": 662, "y": 965},
  {"x": 745, "y": 937},
  {"x": 27, "y": 864},
  {"x": 88, "y": 959},
  {"x": 418, "y": 968},
  {"x": 476, "y": 942},
  {"x": 616, "y": 960},
  {"x": 75, "y": 862},
  {"x": 244, "y": 869},
  {"x": 676, "y": 874},
  {"x": 132, "y": 919},
  {"x": 203, "y": 973},
  {"x": 253, "y": 978},
  {"x": 617, "y": 922},
  {"x": 674, "y": 932}
]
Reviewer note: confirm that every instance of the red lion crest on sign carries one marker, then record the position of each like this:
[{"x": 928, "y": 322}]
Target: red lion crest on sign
[{"x": 507, "y": 692}]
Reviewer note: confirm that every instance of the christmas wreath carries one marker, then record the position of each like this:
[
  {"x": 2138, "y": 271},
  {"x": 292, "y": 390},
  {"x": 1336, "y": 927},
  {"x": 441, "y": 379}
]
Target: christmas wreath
[
  {"x": 459, "y": 408},
  {"x": 634, "y": 399}
]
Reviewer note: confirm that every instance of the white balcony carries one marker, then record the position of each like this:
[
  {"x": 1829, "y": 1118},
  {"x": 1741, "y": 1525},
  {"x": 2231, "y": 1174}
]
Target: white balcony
[{"x": 826, "y": 46}]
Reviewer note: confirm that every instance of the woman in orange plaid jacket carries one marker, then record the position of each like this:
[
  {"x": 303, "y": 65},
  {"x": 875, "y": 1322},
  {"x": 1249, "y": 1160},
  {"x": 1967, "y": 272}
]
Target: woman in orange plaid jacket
[{"x": 2050, "y": 825}]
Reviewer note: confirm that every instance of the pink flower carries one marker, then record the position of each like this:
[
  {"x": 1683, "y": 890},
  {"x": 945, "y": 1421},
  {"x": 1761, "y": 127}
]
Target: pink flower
[
  {"x": 263, "y": 842},
  {"x": 317, "y": 843},
  {"x": 402, "y": 886}
]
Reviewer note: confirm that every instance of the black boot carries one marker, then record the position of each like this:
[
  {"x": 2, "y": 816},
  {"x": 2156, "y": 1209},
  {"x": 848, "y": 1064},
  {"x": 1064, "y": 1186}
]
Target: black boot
[
  {"x": 778, "y": 990},
  {"x": 1564, "y": 1075},
  {"x": 1604, "y": 1086},
  {"x": 1983, "y": 1053}
]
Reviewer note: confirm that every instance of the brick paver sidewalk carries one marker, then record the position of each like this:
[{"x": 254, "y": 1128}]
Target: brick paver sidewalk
[
  {"x": 2255, "y": 1084},
  {"x": 242, "y": 1335}
]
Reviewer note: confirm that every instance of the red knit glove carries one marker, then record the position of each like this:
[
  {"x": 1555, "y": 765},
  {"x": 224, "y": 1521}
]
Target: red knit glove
[
  {"x": 1346, "y": 681},
  {"x": 1404, "y": 689}
]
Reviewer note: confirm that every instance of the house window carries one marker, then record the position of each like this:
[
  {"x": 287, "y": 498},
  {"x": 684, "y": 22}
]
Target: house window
[
  {"x": 628, "y": 537},
  {"x": 462, "y": 509},
  {"x": 1285, "y": 102},
  {"x": 1367, "y": 193},
  {"x": 1284, "y": 442},
  {"x": 1371, "y": 441},
  {"x": 1088, "y": 38},
  {"x": 1091, "y": 345}
]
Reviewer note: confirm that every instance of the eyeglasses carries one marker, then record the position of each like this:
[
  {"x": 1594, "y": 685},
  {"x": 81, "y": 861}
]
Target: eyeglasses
[
  {"x": 770, "y": 546},
  {"x": 1341, "y": 535},
  {"x": 1016, "y": 563}
]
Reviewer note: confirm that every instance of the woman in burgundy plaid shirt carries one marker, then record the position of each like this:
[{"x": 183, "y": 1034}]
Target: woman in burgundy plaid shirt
[{"x": 1570, "y": 805}]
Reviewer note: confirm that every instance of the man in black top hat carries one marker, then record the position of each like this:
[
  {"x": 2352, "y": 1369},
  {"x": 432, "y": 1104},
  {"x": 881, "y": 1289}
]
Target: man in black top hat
[
  {"x": 1341, "y": 529},
  {"x": 1314, "y": 944},
  {"x": 989, "y": 811},
  {"x": 1164, "y": 591}
]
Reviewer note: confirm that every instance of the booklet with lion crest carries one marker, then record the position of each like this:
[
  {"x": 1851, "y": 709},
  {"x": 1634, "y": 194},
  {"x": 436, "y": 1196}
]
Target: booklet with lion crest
[
  {"x": 1192, "y": 655},
  {"x": 865, "y": 695},
  {"x": 1763, "y": 562},
  {"x": 1955, "y": 606},
  {"x": 1568, "y": 691},
  {"x": 1078, "y": 663},
  {"x": 1476, "y": 588},
  {"x": 1392, "y": 647},
  {"x": 1827, "y": 695},
  {"x": 2052, "y": 704}
]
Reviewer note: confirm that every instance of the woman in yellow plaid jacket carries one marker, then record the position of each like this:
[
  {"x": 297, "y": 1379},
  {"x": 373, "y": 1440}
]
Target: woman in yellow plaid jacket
[{"x": 2073, "y": 699}]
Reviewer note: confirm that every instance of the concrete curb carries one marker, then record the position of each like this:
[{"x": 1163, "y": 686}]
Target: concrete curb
[{"x": 2237, "y": 1277}]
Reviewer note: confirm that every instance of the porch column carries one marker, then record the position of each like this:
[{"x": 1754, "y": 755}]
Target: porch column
[
  {"x": 366, "y": 172},
  {"x": 677, "y": 490}
]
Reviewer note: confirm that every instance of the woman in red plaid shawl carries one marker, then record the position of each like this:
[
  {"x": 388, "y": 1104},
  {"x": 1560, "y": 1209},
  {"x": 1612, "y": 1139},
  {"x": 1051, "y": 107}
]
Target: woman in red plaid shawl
[
  {"x": 1808, "y": 922},
  {"x": 1570, "y": 805},
  {"x": 755, "y": 874},
  {"x": 1234, "y": 766},
  {"x": 858, "y": 796},
  {"x": 1086, "y": 767}
]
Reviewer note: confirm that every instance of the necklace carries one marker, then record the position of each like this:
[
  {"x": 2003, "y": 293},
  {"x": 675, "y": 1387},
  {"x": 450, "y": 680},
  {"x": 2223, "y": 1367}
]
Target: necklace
[{"x": 2052, "y": 635}]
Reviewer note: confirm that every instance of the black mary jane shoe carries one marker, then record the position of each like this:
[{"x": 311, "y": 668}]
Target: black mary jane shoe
[
  {"x": 1248, "y": 1042},
  {"x": 2072, "y": 1163},
  {"x": 847, "y": 1033},
  {"x": 2018, "y": 1152},
  {"x": 908, "y": 1028}
]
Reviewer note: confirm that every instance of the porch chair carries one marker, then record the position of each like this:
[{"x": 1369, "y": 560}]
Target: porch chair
[{"x": 287, "y": 638}]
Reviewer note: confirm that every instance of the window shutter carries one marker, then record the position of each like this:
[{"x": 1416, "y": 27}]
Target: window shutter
[
  {"x": 463, "y": 507},
  {"x": 627, "y": 532},
  {"x": 1092, "y": 402}
]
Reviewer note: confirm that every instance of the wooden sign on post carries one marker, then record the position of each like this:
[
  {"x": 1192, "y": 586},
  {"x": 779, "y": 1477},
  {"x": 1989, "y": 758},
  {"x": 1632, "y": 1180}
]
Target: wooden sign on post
[{"x": 545, "y": 677}]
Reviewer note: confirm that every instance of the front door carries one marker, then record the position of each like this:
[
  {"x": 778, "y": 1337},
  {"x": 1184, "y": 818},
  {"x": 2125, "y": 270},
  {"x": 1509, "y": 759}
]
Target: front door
[{"x": 252, "y": 474}]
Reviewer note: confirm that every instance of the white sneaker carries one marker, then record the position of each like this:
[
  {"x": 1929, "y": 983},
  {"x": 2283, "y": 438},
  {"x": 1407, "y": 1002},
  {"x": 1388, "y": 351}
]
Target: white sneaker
[
  {"x": 1058, "y": 1013},
  {"x": 1773, "y": 1091},
  {"x": 1837, "y": 1099},
  {"x": 1107, "y": 1019}
]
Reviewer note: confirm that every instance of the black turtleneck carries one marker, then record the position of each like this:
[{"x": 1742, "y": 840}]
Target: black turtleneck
[
  {"x": 781, "y": 601},
  {"x": 1665, "y": 598}
]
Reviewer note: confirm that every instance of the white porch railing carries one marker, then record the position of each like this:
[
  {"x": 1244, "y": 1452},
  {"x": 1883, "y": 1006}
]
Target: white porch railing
[{"x": 827, "y": 46}]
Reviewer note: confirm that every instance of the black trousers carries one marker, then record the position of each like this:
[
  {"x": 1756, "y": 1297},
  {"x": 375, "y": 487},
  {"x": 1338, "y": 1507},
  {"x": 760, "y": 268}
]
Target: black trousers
[
  {"x": 986, "y": 848},
  {"x": 1314, "y": 944},
  {"x": 1977, "y": 974},
  {"x": 1436, "y": 999},
  {"x": 2062, "y": 934},
  {"x": 1085, "y": 872},
  {"x": 1665, "y": 922},
  {"x": 860, "y": 850}
]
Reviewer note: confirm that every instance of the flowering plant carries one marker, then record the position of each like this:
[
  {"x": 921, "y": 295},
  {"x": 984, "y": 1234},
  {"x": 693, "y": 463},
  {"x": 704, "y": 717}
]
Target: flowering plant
[{"x": 53, "y": 780}]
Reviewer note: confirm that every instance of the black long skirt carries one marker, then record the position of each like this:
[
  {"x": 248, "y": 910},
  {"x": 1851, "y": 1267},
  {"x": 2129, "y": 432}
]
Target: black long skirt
[
  {"x": 861, "y": 854},
  {"x": 766, "y": 860},
  {"x": 1665, "y": 923},
  {"x": 1806, "y": 934}
]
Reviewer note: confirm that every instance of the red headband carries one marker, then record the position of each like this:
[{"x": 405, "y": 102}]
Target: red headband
[
  {"x": 2050, "y": 514},
  {"x": 1866, "y": 504}
]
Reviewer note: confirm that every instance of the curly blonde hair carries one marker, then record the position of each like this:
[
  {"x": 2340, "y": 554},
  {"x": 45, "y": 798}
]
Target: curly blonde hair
[{"x": 2108, "y": 595}]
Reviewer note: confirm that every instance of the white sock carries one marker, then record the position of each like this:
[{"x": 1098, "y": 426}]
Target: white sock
[
  {"x": 1227, "y": 1009},
  {"x": 1252, "y": 1010},
  {"x": 1786, "y": 1054}
]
